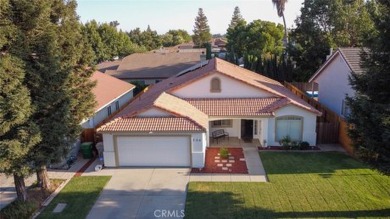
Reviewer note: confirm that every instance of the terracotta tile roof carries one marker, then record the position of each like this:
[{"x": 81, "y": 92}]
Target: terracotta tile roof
[
  {"x": 155, "y": 65},
  {"x": 243, "y": 75},
  {"x": 238, "y": 106},
  {"x": 150, "y": 125},
  {"x": 108, "y": 88},
  {"x": 160, "y": 95}
]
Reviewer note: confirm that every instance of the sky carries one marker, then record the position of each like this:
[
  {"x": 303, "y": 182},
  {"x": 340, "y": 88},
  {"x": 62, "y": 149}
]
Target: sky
[{"x": 163, "y": 15}]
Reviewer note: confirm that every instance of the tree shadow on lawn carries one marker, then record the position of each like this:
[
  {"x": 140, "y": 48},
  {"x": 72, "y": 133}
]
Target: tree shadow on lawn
[
  {"x": 227, "y": 205},
  {"x": 118, "y": 203},
  {"x": 324, "y": 163}
]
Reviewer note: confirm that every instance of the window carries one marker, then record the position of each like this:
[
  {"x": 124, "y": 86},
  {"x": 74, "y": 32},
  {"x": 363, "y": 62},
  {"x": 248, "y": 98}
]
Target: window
[
  {"x": 215, "y": 85},
  {"x": 109, "y": 110},
  {"x": 116, "y": 105},
  {"x": 345, "y": 110},
  {"x": 227, "y": 123},
  {"x": 289, "y": 126}
]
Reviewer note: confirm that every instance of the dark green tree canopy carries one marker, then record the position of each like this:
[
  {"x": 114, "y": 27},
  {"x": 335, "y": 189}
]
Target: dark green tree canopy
[
  {"x": 148, "y": 39},
  {"x": 370, "y": 108},
  {"x": 201, "y": 30},
  {"x": 323, "y": 25},
  {"x": 107, "y": 41},
  {"x": 175, "y": 37}
]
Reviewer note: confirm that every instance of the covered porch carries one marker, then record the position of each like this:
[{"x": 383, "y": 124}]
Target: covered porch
[{"x": 238, "y": 132}]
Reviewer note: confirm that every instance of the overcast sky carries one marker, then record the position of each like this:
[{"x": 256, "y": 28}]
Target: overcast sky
[{"x": 163, "y": 15}]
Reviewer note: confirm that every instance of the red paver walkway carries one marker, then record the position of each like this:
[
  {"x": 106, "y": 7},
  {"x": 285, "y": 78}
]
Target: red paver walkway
[{"x": 215, "y": 164}]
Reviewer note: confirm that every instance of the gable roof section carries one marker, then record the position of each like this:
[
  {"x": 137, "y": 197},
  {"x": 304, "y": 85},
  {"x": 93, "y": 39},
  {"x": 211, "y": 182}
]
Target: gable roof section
[
  {"x": 108, "y": 89},
  {"x": 248, "y": 77},
  {"x": 351, "y": 56}
]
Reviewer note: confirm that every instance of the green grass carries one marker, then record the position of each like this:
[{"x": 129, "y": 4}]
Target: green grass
[
  {"x": 79, "y": 194},
  {"x": 301, "y": 185}
]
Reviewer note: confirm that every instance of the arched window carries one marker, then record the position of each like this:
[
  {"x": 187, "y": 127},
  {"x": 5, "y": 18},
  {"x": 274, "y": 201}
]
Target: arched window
[
  {"x": 215, "y": 85},
  {"x": 291, "y": 126}
]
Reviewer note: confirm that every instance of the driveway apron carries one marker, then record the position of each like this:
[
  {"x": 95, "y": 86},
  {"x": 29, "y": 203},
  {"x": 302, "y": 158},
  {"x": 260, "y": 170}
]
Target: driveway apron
[{"x": 142, "y": 193}]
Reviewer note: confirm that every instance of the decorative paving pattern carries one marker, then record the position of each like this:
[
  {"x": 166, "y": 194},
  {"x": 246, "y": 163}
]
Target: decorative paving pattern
[{"x": 235, "y": 163}]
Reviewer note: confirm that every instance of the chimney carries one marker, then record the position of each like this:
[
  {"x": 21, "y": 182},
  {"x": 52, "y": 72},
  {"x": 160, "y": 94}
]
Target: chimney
[{"x": 330, "y": 53}]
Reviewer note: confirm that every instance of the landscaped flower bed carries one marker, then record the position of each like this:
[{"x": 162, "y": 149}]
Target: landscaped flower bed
[{"x": 234, "y": 163}]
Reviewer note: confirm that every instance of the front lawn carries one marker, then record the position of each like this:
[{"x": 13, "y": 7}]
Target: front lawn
[
  {"x": 302, "y": 185},
  {"x": 79, "y": 194}
]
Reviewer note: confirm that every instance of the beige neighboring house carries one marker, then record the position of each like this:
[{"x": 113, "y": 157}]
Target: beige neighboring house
[
  {"x": 171, "y": 124},
  {"x": 333, "y": 79},
  {"x": 110, "y": 94},
  {"x": 152, "y": 67}
]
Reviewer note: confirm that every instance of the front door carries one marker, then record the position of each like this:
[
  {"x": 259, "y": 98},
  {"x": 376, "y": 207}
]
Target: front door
[{"x": 246, "y": 130}]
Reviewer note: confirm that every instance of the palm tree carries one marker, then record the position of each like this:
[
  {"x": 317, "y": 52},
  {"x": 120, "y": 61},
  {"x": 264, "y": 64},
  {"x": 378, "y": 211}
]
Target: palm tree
[{"x": 280, "y": 5}]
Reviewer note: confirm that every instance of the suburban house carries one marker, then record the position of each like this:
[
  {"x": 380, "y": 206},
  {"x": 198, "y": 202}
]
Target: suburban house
[
  {"x": 333, "y": 79},
  {"x": 173, "y": 122},
  {"x": 108, "y": 65},
  {"x": 110, "y": 94},
  {"x": 152, "y": 67}
]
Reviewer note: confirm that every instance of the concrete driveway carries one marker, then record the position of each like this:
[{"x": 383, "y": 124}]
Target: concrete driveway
[{"x": 142, "y": 193}]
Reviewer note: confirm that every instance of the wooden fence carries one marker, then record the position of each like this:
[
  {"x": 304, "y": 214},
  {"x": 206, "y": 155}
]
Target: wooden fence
[
  {"x": 331, "y": 128},
  {"x": 305, "y": 86}
]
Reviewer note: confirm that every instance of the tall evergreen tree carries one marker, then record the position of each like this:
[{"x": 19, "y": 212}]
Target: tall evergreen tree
[
  {"x": 201, "y": 30},
  {"x": 236, "y": 18},
  {"x": 370, "y": 108},
  {"x": 60, "y": 84},
  {"x": 18, "y": 134}
]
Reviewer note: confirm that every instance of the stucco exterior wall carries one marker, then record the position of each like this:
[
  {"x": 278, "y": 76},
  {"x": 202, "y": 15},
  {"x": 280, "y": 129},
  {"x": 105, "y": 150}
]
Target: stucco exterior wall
[
  {"x": 309, "y": 124},
  {"x": 333, "y": 84},
  {"x": 230, "y": 88},
  {"x": 154, "y": 112}
]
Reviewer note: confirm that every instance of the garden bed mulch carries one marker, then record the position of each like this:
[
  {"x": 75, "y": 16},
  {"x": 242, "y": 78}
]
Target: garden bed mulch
[{"x": 235, "y": 163}]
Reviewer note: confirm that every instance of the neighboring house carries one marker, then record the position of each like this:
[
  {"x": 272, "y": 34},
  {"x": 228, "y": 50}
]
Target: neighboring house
[
  {"x": 110, "y": 94},
  {"x": 152, "y": 67},
  {"x": 333, "y": 79},
  {"x": 171, "y": 123},
  {"x": 108, "y": 66}
]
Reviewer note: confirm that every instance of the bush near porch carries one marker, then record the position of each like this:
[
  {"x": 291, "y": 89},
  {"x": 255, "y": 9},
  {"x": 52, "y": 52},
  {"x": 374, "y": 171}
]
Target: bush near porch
[{"x": 302, "y": 185}]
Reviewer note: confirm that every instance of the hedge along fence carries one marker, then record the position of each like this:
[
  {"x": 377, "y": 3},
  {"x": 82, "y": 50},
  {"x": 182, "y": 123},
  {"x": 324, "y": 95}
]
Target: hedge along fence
[{"x": 328, "y": 119}]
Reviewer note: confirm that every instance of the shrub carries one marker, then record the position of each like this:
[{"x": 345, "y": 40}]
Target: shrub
[
  {"x": 224, "y": 153},
  {"x": 304, "y": 145},
  {"x": 294, "y": 145},
  {"x": 19, "y": 209},
  {"x": 285, "y": 142}
]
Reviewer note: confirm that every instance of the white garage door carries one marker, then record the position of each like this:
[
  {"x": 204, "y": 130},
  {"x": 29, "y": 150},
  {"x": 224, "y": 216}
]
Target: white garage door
[{"x": 154, "y": 151}]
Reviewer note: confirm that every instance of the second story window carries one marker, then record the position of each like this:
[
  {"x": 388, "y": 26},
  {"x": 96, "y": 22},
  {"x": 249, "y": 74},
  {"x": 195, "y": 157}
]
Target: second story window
[
  {"x": 215, "y": 85},
  {"x": 117, "y": 105},
  {"x": 109, "y": 110}
]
